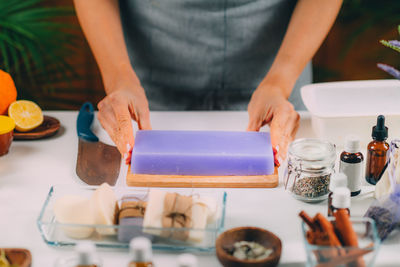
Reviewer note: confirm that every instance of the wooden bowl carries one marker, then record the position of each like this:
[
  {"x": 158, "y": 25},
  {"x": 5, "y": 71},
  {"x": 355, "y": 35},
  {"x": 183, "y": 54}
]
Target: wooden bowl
[
  {"x": 7, "y": 126},
  {"x": 226, "y": 240},
  {"x": 18, "y": 256}
]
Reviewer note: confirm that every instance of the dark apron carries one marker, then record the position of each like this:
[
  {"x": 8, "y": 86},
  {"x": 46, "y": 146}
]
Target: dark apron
[{"x": 205, "y": 54}]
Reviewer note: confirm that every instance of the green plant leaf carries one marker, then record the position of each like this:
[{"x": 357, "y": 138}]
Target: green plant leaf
[
  {"x": 5, "y": 60},
  {"x": 35, "y": 43},
  {"x": 12, "y": 6}
]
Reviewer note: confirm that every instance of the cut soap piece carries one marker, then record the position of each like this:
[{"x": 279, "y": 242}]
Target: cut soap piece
[
  {"x": 154, "y": 212},
  {"x": 131, "y": 218},
  {"x": 105, "y": 208},
  {"x": 213, "y": 208},
  {"x": 200, "y": 212},
  {"x": 202, "y": 153},
  {"x": 71, "y": 209}
]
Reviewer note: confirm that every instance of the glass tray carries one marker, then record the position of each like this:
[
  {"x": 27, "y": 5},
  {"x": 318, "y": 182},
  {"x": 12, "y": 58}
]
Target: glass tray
[{"x": 53, "y": 232}]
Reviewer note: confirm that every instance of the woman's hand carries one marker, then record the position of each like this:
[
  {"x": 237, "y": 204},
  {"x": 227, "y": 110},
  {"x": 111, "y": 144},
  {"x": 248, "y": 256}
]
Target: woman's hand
[
  {"x": 268, "y": 105},
  {"x": 126, "y": 101}
]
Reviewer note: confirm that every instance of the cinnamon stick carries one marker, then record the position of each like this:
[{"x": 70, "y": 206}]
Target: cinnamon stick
[
  {"x": 347, "y": 234},
  {"x": 327, "y": 228},
  {"x": 307, "y": 219}
]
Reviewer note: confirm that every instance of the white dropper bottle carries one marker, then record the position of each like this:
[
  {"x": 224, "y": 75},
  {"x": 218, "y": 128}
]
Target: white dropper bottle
[
  {"x": 141, "y": 252},
  {"x": 187, "y": 260},
  {"x": 86, "y": 254}
]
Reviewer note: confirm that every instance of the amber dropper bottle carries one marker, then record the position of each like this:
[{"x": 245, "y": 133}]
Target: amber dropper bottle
[
  {"x": 351, "y": 161},
  {"x": 337, "y": 180},
  {"x": 377, "y": 152},
  {"x": 341, "y": 199},
  {"x": 142, "y": 255}
]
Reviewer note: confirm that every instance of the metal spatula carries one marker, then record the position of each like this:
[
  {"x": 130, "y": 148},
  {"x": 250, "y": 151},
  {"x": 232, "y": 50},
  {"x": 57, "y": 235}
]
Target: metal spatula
[{"x": 97, "y": 162}]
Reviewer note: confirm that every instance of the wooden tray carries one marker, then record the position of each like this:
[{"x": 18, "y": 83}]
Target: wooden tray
[
  {"x": 18, "y": 256},
  {"x": 146, "y": 180},
  {"x": 48, "y": 128}
]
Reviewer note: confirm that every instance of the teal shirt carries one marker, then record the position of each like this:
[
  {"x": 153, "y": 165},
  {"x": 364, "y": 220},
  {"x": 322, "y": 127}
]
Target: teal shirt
[{"x": 205, "y": 54}]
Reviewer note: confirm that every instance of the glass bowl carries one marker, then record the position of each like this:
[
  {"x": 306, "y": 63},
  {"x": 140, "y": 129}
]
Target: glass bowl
[{"x": 368, "y": 242}]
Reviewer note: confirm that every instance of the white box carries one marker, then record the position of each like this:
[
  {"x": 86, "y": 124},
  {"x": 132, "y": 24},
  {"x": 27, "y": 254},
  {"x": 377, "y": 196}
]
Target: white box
[{"x": 341, "y": 108}]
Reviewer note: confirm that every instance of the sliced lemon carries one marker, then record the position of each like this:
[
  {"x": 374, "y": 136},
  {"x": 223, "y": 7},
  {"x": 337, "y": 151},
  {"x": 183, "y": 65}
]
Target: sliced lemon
[{"x": 26, "y": 114}]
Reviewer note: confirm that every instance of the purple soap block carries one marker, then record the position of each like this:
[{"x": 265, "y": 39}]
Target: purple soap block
[{"x": 202, "y": 153}]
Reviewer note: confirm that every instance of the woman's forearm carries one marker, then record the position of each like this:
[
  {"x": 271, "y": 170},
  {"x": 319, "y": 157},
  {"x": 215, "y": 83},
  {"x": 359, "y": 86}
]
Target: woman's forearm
[
  {"x": 101, "y": 24},
  {"x": 308, "y": 27}
]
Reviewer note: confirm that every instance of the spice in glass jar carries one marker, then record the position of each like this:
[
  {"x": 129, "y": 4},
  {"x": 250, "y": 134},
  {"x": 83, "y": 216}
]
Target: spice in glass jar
[{"x": 310, "y": 165}]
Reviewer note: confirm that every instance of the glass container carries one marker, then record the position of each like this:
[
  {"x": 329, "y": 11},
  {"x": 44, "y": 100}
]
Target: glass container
[
  {"x": 310, "y": 165},
  {"x": 106, "y": 236},
  {"x": 368, "y": 242}
]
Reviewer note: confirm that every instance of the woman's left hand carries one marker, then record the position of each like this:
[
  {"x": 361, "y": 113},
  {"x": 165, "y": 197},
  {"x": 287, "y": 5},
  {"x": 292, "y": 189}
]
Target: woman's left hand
[{"x": 268, "y": 105}]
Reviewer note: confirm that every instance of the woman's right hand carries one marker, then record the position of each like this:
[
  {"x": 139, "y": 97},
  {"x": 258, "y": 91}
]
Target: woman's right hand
[{"x": 125, "y": 101}]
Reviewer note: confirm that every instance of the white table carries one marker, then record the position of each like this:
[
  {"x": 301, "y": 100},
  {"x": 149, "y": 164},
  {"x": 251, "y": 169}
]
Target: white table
[{"x": 31, "y": 167}]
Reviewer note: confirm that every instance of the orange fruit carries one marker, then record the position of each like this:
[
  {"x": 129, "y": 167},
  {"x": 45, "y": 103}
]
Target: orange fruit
[
  {"x": 8, "y": 92},
  {"x": 26, "y": 114}
]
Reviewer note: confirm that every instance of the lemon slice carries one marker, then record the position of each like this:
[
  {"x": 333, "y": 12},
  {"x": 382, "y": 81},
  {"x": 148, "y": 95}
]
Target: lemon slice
[{"x": 26, "y": 114}]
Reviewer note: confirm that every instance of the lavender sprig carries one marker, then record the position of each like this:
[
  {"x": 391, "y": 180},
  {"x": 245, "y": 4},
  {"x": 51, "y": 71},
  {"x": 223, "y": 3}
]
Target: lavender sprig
[
  {"x": 394, "y": 44},
  {"x": 389, "y": 69}
]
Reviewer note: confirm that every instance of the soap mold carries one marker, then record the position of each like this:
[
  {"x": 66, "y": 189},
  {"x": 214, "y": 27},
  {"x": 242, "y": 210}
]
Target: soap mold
[{"x": 53, "y": 234}]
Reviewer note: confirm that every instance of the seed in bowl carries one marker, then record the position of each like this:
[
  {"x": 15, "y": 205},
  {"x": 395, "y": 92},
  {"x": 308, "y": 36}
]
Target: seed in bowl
[{"x": 245, "y": 250}]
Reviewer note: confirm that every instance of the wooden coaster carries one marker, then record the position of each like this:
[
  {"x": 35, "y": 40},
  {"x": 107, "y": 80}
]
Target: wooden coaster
[
  {"x": 49, "y": 127},
  {"x": 256, "y": 181}
]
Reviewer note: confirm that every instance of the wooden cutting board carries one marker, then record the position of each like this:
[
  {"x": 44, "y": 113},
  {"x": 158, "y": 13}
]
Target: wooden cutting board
[{"x": 256, "y": 181}]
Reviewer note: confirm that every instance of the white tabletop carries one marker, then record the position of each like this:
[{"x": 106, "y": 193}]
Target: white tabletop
[{"x": 32, "y": 167}]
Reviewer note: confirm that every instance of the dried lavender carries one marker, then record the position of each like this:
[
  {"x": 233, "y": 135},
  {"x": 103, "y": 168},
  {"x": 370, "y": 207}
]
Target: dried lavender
[
  {"x": 312, "y": 187},
  {"x": 389, "y": 69},
  {"x": 395, "y": 45},
  {"x": 384, "y": 220}
]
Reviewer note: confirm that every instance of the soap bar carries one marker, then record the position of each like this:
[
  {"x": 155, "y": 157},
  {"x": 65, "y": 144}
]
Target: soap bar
[
  {"x": 131, "y": 218},
  {"x": 105, "y": 208},
  {"x": 202, "y": 153},
  {"x": 70, "y": 209},
  {"x": 195, "y": 215}
]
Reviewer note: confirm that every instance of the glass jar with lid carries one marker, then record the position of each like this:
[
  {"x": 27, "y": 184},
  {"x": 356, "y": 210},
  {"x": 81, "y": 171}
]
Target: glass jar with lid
[{"x": 309, "y": 167}]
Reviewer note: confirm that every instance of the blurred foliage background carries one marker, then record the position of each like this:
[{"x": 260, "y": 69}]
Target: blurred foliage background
[{"x": 44, "y": 49}]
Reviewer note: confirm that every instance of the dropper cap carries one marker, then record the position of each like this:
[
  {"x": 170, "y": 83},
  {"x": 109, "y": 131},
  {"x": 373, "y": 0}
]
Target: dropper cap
[
  {"x": 337, "y": 180},
  {"x": 187, "y": 260},
  {"x": 86, "y": 252},
  {"x": 341, "y": 198},
  {"x": 380, "y": 131},
  {"x": 140, "y": 248}
]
